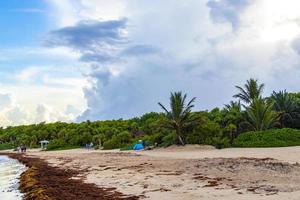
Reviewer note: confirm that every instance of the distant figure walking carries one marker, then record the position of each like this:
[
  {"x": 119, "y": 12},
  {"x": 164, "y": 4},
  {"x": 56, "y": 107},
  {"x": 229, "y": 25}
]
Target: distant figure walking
[
  {"x": 23, "y": 149},
  {"x": 89, "y": 146}
]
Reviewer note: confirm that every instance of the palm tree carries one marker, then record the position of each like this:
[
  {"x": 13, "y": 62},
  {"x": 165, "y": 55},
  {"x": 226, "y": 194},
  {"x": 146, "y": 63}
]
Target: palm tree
[
  {"x": 252, "y": 90},
  {"x": 179, "y": 117},
  {"x": 233, "y": 116},
  {"x": 260, "y": 116},
  {"x": 285, "y": 105},
  {"x": 233, "y": 105}
]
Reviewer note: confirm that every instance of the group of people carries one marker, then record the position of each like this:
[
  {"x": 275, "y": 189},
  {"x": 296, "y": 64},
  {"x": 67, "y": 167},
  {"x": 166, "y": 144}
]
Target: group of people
[
  {"x": 22, "y": 149},
  {"x": 89, "y": 146}
]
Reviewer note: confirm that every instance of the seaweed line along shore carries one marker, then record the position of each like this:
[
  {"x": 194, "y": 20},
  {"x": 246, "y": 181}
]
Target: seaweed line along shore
[{"x": 43, "y": 182}]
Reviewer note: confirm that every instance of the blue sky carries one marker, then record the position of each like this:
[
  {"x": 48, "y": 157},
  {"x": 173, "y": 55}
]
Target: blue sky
[
  {"x": 22, "y": 22},
  {"x": 73, "y": 60}
]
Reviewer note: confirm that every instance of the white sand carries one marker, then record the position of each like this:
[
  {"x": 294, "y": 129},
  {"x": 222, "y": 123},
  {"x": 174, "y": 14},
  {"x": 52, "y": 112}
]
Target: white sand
[
  {"x": 174, "y": 173},
  {"x": 286, "y": 154}
]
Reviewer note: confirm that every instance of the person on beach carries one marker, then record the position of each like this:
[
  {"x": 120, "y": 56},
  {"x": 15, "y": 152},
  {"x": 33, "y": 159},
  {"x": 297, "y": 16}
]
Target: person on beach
[{"x": 23, "y": 149}]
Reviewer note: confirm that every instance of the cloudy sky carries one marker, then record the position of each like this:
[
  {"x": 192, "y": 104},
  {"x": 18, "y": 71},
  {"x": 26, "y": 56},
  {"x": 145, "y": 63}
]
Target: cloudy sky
[{"x": 73, "y": 60}]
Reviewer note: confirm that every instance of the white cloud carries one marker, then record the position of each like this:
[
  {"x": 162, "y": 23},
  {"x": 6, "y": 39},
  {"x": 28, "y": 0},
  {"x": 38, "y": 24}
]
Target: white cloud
[
  {"x": 5, "y": 101},
  {"x": 17, "y": 113},
  {"x": 28, "y": 74},
  {"x": 70, "y": 12},
  {"x": 201, "y": 48},
  {"x": 39, "y": 94}
]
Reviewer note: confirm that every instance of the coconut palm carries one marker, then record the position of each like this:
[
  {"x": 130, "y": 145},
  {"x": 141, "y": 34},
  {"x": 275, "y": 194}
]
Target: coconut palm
[
  {"x": 179, "y": 117},
  {"x": 285, "y": 105},
  {"x": 232, "y": 118},
  {"x": 252, "y": 90},
  {"x": 260, "y": 116},
  {"x": 233, "y": 105}
]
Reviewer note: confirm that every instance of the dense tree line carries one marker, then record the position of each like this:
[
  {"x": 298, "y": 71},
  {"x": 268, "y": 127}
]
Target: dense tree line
[{"x": 178, "y": 124}]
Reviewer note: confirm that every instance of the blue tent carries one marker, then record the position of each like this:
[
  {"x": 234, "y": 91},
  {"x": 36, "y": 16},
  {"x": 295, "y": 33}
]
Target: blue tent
[{"x": 138, "y": 146}]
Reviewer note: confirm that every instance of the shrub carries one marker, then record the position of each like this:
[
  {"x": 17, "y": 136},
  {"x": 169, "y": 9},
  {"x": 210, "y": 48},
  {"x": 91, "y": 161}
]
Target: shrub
[
  {"x": 169, "y": 140},
  {"x": 5, "y": 146},
  {"x": 269, "y": 138},
  {"x": 56, "y": 144},
  {"x": 204, "y": 133},
  {"x": 118, "y": 141},
  {"x": 220, "y": 142},
  {"x": 151, "y": 139}
]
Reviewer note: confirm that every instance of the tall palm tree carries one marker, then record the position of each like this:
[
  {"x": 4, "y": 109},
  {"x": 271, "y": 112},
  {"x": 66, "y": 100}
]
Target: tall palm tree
[
  {"x": 285, "y": 105},
  {"x": 233, "y": 116},
  {"x": 260, "y": 116},
  {"x": 252, "y": 90},
  {"x": 179, "y": 117}
]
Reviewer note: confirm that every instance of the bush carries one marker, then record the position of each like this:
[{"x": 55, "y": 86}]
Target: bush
[
  {"x": 59, "y": 144},
  {"x": 151, "y": 139},
  {"x": 220, "y": 142},
  {"x": 169, "y": 140},
  {"x": 118, "y": 141},
  {"x": 204, "y": 133},
  {"x": 269, "y": 138},
  {"x": 5, "y": 146}
]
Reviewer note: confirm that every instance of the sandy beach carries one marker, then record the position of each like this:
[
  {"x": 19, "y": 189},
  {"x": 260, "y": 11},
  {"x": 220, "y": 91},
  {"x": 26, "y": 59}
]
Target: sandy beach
[{"x": 190, "y": 172}]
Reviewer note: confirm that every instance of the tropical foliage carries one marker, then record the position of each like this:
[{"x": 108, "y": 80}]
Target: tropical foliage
[
  {"x": 269, "y": 138},
  {"x": 179, "y": 117},
  {"x": 260, "y": 116},
  {"x": 252, "y": 90},
  {"x": 269, "y": 120},
  {"x": 285, "y": 105}
]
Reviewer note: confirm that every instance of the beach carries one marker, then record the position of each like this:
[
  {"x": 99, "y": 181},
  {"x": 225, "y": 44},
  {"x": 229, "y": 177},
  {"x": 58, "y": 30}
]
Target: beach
[
  {"x": 10, "y": 171},
  {"x": 190, "y": 172}
]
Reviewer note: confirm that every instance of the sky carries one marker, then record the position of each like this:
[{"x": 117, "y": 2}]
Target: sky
[{"x": 77, "y": 60}]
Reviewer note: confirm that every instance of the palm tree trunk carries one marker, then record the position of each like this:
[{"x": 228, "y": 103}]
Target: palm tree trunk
[
  {"x": 178, "y": 132},
  {"x": 181, "y": 140}
]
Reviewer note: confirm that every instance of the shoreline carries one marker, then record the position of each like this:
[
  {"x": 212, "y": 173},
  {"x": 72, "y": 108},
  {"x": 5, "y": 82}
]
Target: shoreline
[
  {"x": 42, "y": 181},
  {"x": 10, "y": 172},
  {"x": 189, "y": 173}
]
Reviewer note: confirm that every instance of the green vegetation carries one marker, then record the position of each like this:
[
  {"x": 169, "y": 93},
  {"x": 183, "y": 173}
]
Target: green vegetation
[
  {"x": 252, "y": 90},
  {"x": 269, "y": 138},
  {"x": 260, "y": 116},
  {"x": 5, "y": 146},
  {"x": 272, "y": 121},
  {"x": 179, "y": 117}
]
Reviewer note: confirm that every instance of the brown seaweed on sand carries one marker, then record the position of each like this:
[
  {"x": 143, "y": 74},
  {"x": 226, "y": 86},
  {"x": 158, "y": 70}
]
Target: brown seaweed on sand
[{"x": 43, "y": 182}]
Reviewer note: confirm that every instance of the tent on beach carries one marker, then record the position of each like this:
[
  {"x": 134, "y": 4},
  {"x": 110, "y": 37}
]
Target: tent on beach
[
  {"x": 44, "y": 144},
  {"x": 139, "y": 145}
]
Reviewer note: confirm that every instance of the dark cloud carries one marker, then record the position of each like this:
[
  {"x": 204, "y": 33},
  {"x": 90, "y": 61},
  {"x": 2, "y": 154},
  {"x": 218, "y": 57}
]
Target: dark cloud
[
  {"x": 227, "y": 10},
  {"x": 86, "y": 34},
  {"x": 96, "y": 40}
]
